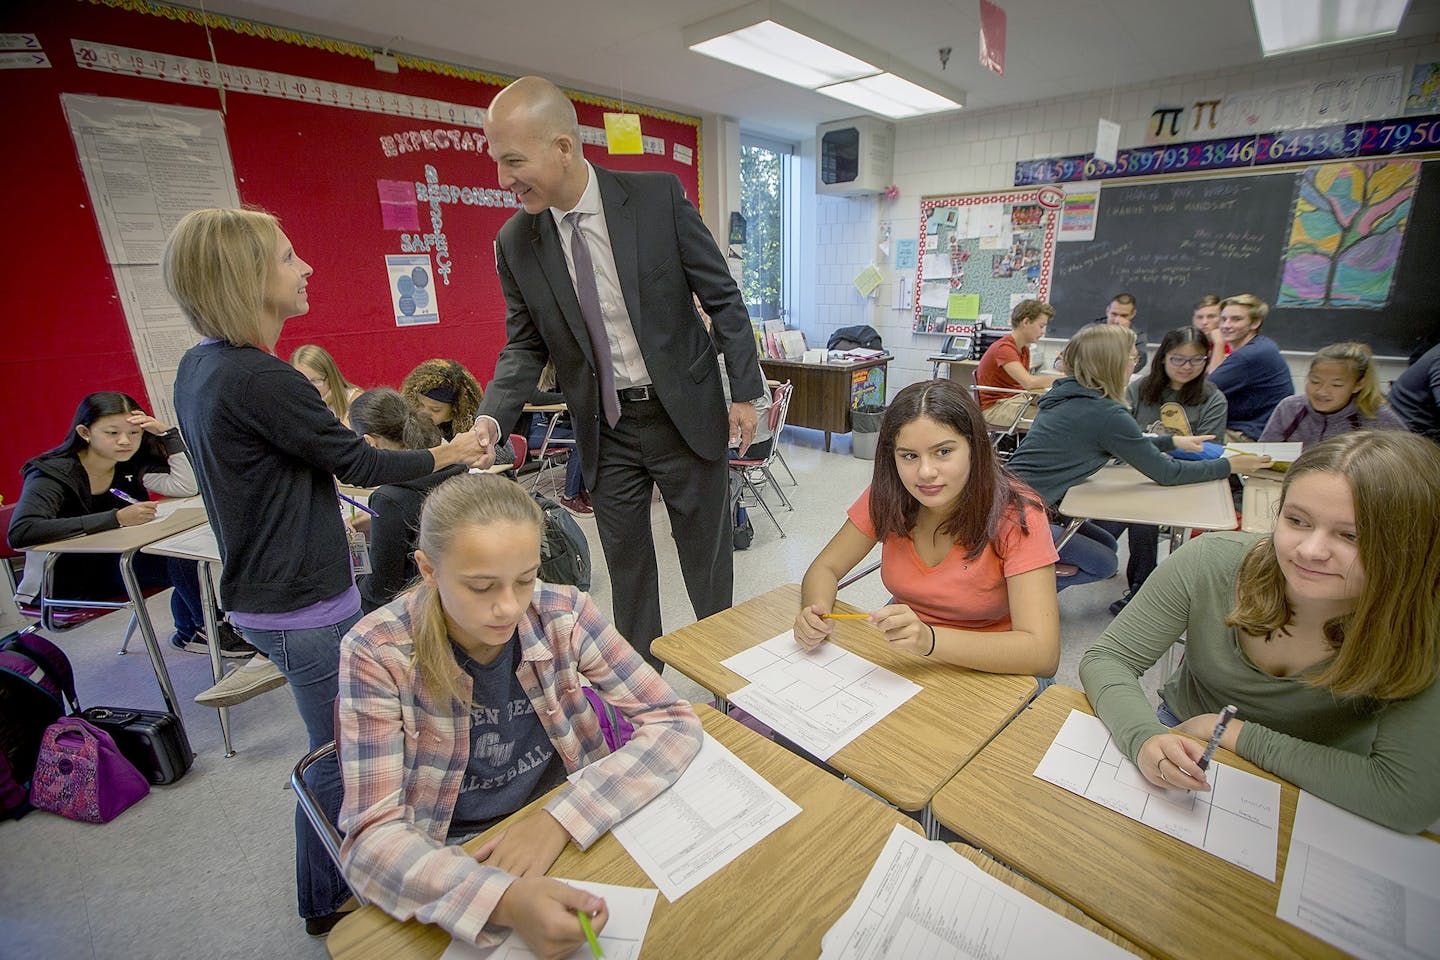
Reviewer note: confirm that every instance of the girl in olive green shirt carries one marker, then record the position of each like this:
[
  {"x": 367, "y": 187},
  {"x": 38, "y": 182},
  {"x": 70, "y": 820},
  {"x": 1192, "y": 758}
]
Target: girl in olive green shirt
[{"x": 1324, "y": 635}]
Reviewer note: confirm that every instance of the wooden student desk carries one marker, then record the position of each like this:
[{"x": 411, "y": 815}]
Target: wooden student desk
[
  {"x": 1120, "y": 492},
  {"x": 126, "y": 542},
  {"x": 777, "y": 900},
  {"x": 904, "y": 758},
  {"x": 821, "y": 400},
  {"x": 1168, "y": 897}
]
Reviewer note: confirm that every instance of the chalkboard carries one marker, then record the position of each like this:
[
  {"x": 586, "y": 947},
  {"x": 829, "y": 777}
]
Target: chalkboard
[{"x": 1170, "y": 242}]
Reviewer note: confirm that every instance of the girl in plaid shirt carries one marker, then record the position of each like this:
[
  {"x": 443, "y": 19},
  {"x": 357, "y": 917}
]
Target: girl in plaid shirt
[{"x": 462, "y": 701}]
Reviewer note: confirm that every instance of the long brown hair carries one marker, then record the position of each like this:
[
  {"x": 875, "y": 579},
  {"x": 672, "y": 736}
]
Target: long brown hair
[
  {"x": 317, "y": 358},
  {"x": 990, "y": 491},
  {"x": 468, "y": 502},
  {"x": 1387, "y": 646}
]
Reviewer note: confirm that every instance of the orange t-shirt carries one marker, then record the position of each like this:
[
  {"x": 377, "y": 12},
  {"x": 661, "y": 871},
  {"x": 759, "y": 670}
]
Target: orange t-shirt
[
  {"x": 991, "y": 372},
  {"x": 960, "y": 593}
]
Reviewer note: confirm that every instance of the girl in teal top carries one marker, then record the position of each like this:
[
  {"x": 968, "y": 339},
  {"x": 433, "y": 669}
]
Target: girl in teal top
[{"x": 1324, "y": 634}]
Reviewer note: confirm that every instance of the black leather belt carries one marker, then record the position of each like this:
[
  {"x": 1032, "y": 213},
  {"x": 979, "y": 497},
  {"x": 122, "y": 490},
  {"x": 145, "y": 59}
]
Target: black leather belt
[{"x": 631, "y": 394}]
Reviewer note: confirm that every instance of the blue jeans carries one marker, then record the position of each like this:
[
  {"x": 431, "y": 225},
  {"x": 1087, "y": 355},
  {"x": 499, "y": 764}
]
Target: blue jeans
[
  {"x": 1092, "y": 549},
  {"x": 310, "y": 660},
  {"x": 1165, "y": 715},
  {"x": 574, "y": 479}
]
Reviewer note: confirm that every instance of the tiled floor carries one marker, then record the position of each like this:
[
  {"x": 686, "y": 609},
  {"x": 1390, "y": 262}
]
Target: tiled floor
[{"x": 206, "y": 867}]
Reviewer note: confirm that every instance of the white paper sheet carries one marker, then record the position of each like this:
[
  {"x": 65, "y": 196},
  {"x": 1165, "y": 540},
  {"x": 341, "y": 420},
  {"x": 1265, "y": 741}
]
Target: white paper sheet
[
  {"x": 630, "y": 909},
  {"x": 986, "y": 220},
  {"x": 1279, "y": 452},
  {"x": 1237, "y": 821},
  {"x": 197, "y": 542},
  {"x": 923, "y": 899},
  {"x": 718, "y": 809},
  {"x": 822, "y": 698},
  {"x": 1370, "y": 891},
  {"x": 163, "y": 508}
]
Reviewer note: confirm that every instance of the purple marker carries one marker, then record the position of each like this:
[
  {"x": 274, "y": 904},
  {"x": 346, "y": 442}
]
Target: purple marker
[{"x": 1226, "y": 716}]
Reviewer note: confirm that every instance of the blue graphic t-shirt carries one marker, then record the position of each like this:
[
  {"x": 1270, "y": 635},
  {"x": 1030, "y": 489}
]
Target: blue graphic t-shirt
[{"x": 512, "y": 760}]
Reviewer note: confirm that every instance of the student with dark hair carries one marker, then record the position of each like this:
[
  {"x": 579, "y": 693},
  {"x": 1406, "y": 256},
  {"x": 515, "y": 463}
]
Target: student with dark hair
[
  {"x": 387, "y": 422},
  {"x": 100, "y": 478},
  {"x": 1121, "y": 312},
  {"x": 965, "y": 548},
  {"x": 1205, "y": 317},
  {"x": 1173, "y": 399},
  {"x": 1324, "y": 635},
  {"x": 1254, "y": 377},
  {"x": 449, "y": 395},
  {"x": 1416, "y": 394}
]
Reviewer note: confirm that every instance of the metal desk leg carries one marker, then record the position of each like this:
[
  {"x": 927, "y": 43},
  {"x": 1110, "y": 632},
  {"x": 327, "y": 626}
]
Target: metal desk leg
[
  {"x": 928, "y": 823},
  {"x": 1070, "y": 529},
  {"x": 147, "y": 629},
  {"x": 212, "y": 630}
]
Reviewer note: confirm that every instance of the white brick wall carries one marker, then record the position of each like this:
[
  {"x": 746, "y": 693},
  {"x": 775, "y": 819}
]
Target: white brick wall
[{"x": 972, "y": 152}]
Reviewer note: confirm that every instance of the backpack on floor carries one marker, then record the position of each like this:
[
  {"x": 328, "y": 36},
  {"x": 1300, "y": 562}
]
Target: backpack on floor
[
  {"x": 564, "y": 551},
  {"x": 36, "y": 681}
]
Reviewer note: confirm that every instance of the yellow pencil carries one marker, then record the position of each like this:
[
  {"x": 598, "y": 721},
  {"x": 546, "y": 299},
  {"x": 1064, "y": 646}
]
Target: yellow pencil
[{"x": 844, "y": 616}]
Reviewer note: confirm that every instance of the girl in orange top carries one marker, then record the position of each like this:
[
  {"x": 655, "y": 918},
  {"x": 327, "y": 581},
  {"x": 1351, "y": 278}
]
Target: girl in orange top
[{"x": 966, "y": 549}]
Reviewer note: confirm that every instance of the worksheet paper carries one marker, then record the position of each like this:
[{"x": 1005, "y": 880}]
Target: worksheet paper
[
  {"x": 198, "y": 542},
  {"x": 923, "y": 899},
  {"x": 1279, "y": 452},
  {"x": 821, "y": 698},
  {"x": 1237, "y": 820},
  {"x": 1372, "y": 892},
  {"x": 718, "y": 809},
  {"x": 163, "y": 508},
  {"x": 629, "y": 907}
]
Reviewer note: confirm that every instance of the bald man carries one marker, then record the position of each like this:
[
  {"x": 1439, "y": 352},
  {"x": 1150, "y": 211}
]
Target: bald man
[{"x": 598, "y": 270}]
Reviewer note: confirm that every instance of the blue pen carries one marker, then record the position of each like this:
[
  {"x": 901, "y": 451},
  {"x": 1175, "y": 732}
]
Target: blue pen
[
  {"x": 1226, "y": 716},
  {"x": 117, "y": 492},
  {"x": 357, "y": 503}
]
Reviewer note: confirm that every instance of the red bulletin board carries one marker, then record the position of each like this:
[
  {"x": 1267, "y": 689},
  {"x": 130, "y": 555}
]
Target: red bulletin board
[{"x": 315, "y": 166}]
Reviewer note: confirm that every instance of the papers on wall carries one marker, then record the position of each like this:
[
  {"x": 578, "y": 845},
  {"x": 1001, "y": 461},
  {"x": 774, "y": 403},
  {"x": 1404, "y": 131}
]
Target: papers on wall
[
  {"x": 624, "y": 933},
  {"x": 987, "y": 220},
  {"x": 1107, "y": 140},
  {"x": 146, "y": 165},
  {"x": 867, "y": 280},
  {"x": 1372, "y": 892},
  {"x": 905, "y": 250},
  {"x": 1238, "y": 820},
  {"x": 923, "y": 899},
  {"x": 412, "y": 289},
  {"x": 937, "y": 265},
  {"x": 822, "y": 698},
  {"x": 718, "y": 809},
  {"x": 1079, "y": 211},
  {"x": 1281, "y": 453}
]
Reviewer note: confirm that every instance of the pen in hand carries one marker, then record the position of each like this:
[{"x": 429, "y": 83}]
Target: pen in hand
[
  {"x": 121, "y": 494},
  {"x": 1226, "y": 716},
  {"x": 844, "y": 616},
  {"x": 590, "y": 934}
]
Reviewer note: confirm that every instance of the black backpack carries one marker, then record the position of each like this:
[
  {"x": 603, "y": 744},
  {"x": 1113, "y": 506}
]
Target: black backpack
[
  {"x": 35, "y": 682},
  {"x": 564, "y": 551},
  {"x": 848, "y": 338}
]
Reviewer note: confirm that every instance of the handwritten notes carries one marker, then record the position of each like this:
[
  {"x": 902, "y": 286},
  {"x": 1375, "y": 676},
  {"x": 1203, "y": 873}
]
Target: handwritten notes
[
  {"x": 624, "y": 933},
  {"x": 1238, "y": 820}
]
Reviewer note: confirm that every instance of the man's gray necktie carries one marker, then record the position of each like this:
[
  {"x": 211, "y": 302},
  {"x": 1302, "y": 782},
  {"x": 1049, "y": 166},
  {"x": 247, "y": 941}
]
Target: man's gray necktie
[{"x": 589, "y": 296}]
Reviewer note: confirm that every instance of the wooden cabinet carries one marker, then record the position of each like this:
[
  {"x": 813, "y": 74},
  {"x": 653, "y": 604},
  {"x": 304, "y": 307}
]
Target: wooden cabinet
[{"x": 823, "y": 391}]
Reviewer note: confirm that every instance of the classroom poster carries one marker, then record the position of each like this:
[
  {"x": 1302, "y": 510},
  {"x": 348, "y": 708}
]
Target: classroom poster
[
  {"x": 412, "y": 289},
  {"x": 1079, "y": 211},
  {"x": 978, "y": 252},
  {"x": 867, "y": 387}
]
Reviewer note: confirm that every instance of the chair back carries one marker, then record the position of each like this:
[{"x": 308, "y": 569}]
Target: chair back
[
  {"x": 779, "y": 410},
  {"x": 314, "y": 812},
  {"x": 521, "y": 446}
]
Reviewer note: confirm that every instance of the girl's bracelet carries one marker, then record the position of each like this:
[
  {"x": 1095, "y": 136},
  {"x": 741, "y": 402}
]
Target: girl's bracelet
[{"x": 932, "y": 640}]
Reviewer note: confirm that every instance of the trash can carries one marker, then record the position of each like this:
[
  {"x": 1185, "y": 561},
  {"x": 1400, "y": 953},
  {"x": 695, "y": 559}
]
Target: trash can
[{"x": 865, "y": 430}]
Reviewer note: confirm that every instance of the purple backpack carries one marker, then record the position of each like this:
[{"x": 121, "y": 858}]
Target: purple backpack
[
  {"x": 36, "y": 681},
  {"x": 616, "y": 729},
  {"x": 82, "y": 775}
]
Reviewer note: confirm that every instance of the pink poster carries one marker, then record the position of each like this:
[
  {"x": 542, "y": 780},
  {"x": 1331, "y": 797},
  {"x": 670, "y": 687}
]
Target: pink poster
[{"x": 992, "y": 37}]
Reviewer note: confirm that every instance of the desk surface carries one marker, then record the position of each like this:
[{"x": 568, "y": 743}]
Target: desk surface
[
  {"x": 777, "y": 900},
  {"x": 128, "y": 538},
  {"x": 907, "y": 756},
  {"x": 1260, "y": 503},
  {"x": 1120, "y": 492},
  {"x": 828, "y": 364},
  {"x": 1165, "y": 895}
]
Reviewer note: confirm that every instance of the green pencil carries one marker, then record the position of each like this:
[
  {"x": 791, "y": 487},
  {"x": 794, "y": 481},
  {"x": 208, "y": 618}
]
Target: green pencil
[{"x": 590, "y": 934}]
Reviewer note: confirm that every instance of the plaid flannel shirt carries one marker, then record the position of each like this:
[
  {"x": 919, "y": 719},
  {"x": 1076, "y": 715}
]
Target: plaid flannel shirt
[{"x": 403, "y": 753}]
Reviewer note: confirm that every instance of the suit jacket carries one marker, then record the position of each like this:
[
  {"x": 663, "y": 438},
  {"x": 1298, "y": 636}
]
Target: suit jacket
[{"x": 662, "y": 252}]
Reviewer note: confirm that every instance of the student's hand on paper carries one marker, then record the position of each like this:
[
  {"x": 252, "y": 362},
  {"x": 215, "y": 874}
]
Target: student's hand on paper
[
  {"x": 1168, "y": 761},
  {"x": 136, "y": 514},
  {"x": 902, "y": 628},
  {"x": 810, "y": 629},
  {"x": 742, "y": 426},
  {"x": 1248, "y": 463},
  {"x": 1192, "y": 444},
  {"x": 147, "y": 423},
  {"x": 542, "y": 911},
  {"x": 527, "y": 848}
]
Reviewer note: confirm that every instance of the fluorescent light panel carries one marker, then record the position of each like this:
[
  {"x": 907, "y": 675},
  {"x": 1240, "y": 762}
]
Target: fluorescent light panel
[
  {"x": 889, "y": 95},
  {"x": 1286, "y": 26},
  {"x": 777, "y": 51}
]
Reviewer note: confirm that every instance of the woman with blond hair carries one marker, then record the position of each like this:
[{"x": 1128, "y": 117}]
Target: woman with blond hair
[
  {"x": 266, "y": 452},
  {"x": 324, "y": 375},
  {"x": 1324, "y": 634},
  {"x": 1082, "y": 424},
  {"x": 463, "y": 700}
]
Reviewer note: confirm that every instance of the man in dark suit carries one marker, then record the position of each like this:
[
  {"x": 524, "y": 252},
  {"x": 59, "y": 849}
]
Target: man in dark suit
[{"x": 598, "y": 271}]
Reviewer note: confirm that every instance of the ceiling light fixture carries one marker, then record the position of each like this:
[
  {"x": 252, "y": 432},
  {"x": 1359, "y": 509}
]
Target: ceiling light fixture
[
  {"x": 770, "y": 38},
  {"x": 1288, "y": 26}
]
